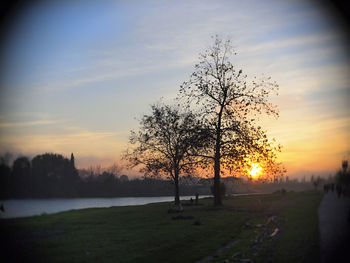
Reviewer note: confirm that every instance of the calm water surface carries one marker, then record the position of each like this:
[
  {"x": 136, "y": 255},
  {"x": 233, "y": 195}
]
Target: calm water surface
[{"x": 32, "y": 207}]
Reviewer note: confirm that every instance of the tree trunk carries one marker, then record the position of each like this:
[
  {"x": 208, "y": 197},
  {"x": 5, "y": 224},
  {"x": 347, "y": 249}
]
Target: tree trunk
[
  {"x": 217, "y": 194},
  {"x": 217, "y": 157},
  {"x": 176, "y": 182}
]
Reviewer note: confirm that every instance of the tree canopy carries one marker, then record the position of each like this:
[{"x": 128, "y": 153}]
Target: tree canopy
[
  {"x": 166, "y": 143},
  {"x": 229, "y": 105}
]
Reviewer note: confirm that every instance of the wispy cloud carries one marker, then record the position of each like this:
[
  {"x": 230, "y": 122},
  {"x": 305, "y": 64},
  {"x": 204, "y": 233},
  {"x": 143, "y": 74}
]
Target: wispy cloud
[
  {"x": 25, "y": 124},
  {"x": 83, "y": 143}
]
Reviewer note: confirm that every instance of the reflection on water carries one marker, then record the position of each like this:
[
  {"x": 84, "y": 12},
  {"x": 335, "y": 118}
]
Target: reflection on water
[{"x": 31, "y": 207}]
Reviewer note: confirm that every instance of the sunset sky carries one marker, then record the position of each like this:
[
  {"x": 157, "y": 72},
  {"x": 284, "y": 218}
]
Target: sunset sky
[{"x": 76, "y": 75}]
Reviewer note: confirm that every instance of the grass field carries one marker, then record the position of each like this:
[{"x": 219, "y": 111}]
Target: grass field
[{"x": 241, "y": 229}]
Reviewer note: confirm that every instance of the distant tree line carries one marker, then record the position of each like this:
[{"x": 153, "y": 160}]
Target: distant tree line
[
  {"x": 53, "y": 176},
  {"x": 46, "y": 175}
]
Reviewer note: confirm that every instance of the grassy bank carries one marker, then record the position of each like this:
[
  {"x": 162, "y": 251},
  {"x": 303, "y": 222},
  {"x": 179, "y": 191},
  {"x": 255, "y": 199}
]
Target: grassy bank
[{"x": 150, "y": 234}]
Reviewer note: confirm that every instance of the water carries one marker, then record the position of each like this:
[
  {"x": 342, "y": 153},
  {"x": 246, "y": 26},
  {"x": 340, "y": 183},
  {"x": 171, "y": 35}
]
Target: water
[{"x": 32, "y": 207}]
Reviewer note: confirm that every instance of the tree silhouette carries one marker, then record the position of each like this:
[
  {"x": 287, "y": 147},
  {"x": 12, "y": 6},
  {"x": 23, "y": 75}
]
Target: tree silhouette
[
  {"x": 229, "y": 105},
  {"x": 5, "y": 179},
  {"x": 115, "y": 169},
  {"x": 21, "y": 173},
  {"x": 166, "y": 143},
  {"x": 72, "y": 162},
  {"x": 342, "y": 179},
  {"x": 54, "y": 175}
]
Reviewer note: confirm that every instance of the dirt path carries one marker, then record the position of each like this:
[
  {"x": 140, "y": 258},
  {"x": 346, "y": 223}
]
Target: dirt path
[{"x": 333, "y": 214}]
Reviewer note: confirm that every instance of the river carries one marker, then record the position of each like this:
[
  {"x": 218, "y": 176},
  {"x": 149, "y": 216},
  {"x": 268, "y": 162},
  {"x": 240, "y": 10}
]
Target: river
[{"x": 31, "y": 207}]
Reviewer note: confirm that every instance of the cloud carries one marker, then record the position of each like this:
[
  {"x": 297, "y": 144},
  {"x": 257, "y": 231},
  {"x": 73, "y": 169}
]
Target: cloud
[
  {"x": 83, "y": 143},
  {"x": 25, "y": 124}
]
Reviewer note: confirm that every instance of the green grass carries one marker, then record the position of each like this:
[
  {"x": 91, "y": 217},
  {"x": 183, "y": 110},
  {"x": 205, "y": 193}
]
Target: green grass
[
  {"x": 299, "y": 240},
  {"x": 148, "y": 233}
]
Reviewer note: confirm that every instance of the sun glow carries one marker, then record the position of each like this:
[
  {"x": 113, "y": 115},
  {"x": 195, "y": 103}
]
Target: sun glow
[{"x": 255, "y": 171}]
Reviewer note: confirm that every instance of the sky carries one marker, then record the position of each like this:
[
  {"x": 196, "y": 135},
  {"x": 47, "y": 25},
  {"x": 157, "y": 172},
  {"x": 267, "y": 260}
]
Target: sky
[{"x": 76, "y": 76}]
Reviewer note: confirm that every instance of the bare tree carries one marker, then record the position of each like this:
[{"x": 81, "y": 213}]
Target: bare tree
[
  {"x": 95, "y": 170},
  {"x": 229, "y": 104},
  {"x": 6, "y": 158},
  {"x": 165, "y": 144},
  {"x": 115, "y": 169}
]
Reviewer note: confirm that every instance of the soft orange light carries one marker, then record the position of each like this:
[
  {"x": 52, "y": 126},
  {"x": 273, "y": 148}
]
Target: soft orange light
[{"x": 255, "y": 171}]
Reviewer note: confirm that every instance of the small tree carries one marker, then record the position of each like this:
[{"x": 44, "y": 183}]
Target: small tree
[
  {"x": 166, "y": 143},
  {"x": 316, "y": 182},
  {"x": 72, "y": 162},
  {"x": 22, "y": 177},
  {"x": 229, "y": 106}
]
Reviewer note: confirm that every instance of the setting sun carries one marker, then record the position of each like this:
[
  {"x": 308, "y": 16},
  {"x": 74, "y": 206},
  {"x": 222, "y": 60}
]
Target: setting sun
[{"x": 255, "y": 171}]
